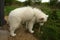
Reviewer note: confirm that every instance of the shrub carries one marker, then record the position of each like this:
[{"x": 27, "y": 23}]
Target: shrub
[{"x": 9, "y": 2}]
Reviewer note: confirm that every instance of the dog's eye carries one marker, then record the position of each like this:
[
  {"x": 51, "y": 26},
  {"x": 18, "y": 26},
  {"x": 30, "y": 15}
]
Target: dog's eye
[{"x": 41, "y": 19}]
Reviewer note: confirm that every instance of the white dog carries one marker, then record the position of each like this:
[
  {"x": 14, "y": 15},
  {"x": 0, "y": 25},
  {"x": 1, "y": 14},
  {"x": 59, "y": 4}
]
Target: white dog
[{"x": 27, "y": 14}]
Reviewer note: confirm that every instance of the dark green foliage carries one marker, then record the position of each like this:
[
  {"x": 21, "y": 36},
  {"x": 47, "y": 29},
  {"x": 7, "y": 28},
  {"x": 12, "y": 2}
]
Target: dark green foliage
[
  {"x": 54, "y": 15},
  {"x": 53, "y": 2},
  {"x": 29, "y": 2},
  {"x": 49, "y": 34},
  {"x": 50, "y": 31},
  {"x": 58, "y": 5},
  {"x": 26, "y": 3},
  {"x": 8, "y": 9},
  {"x": 9, "y": 2}
]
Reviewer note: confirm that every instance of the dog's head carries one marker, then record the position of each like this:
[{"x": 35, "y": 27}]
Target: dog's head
[{"x": 42, "y": 19}]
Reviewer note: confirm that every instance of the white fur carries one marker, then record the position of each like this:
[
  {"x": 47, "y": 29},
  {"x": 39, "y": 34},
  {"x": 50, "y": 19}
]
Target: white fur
[{"x": 25, "y": 14}]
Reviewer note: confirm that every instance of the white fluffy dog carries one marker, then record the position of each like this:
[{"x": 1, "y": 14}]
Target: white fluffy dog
[{"x": 27, "y": 14}]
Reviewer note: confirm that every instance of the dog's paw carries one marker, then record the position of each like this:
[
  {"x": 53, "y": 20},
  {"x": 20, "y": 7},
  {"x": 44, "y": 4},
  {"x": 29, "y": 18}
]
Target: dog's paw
[
  {"x": 31, "y": 31},
  {"x": 13, "y": 35}
]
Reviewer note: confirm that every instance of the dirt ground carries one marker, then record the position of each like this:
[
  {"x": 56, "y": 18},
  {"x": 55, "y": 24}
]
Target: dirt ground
[{"x": 22, "y": 33}]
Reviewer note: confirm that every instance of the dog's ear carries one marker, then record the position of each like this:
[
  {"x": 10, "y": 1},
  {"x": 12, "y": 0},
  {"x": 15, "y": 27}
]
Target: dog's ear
[{"x": 47, "y": 15}]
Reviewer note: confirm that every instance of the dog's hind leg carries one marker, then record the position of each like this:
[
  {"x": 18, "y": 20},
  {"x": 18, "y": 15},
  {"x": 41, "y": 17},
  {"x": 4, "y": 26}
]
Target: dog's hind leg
[{"x": 13, "y": 28}]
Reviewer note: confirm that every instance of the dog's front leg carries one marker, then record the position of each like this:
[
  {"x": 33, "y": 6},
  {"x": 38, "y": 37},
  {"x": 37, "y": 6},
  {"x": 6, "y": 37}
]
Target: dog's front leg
[{"x": 30, "y": 25}]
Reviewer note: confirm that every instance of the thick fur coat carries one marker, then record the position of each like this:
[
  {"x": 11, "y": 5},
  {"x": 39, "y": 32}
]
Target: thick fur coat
[{"x": 27, "y": 14}]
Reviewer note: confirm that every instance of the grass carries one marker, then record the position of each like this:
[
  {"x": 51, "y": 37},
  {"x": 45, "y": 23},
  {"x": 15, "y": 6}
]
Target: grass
[{"x": 7, "y": 9}]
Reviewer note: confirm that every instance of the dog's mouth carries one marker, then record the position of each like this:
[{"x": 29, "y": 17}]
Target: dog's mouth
[{"x": 41, "y": 22}]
